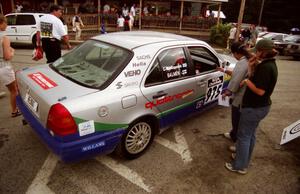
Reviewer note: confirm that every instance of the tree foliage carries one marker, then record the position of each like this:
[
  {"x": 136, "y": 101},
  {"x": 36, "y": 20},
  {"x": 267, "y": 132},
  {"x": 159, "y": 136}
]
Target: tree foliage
[{"x": 278, "y": 15}]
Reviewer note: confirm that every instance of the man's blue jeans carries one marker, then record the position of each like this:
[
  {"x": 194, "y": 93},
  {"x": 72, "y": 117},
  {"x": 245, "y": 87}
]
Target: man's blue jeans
[{"x": 250, "y": 118}]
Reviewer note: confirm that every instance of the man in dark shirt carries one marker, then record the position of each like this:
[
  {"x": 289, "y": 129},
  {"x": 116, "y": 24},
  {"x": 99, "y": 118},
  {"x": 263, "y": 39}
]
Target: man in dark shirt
[{"x": 256, "y": 102}]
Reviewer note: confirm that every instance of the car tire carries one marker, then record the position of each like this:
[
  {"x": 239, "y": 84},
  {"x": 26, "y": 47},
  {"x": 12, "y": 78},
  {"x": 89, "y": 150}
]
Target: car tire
[{"x": 137, "y": 139}]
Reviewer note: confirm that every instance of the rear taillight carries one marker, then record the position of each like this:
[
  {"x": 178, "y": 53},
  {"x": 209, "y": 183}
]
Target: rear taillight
[{"x": 60, "y": 121}]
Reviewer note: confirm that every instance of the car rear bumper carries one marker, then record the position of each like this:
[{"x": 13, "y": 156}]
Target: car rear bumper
[{"x": 97, "y": 143}]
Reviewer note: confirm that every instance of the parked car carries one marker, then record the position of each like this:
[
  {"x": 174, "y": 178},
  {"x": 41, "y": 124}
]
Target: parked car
[
  {"x": 117, "y": 90},
  {"x": 281, "y": 46},
  {"x": 273, "y": 36},
  {"x": 293, "y": 50},
  {"x": 22, "y": 27}
]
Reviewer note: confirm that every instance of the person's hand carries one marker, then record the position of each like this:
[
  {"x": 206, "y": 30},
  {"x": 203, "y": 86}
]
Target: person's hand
[
  {"x": 69, "y": 47},
  {"x": 221, "y": 69},
  {"x": 12, "y": 51},
  {"x": 243, "y": 82}
]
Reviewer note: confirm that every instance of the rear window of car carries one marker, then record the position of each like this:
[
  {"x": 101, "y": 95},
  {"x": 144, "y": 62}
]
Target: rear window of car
[
  {"x": 25, "y": 20},
  {"x": 93, "y": 63}
]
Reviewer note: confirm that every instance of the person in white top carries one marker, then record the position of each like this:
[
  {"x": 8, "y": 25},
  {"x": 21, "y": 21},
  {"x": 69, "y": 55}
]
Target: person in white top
[
  {"x": 77, "y": 23},
  {"x": 7, "y": 74},
  {"x": 231, "y": 37},
  {"x": 120, "y": 23},
  {"x": 52, "y": 32},
  {"x": 132, "y": 10}
]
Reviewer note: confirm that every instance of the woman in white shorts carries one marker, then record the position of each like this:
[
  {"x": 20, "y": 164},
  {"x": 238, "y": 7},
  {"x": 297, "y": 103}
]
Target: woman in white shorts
[{"x": 7, "y": 74}]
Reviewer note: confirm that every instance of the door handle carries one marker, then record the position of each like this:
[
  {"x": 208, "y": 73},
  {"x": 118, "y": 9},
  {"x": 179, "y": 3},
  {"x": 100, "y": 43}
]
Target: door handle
[
  {"x": 13, "y": 27},
  {"x": 33, "y": 27},
  {"x": 159, "y": 94}
]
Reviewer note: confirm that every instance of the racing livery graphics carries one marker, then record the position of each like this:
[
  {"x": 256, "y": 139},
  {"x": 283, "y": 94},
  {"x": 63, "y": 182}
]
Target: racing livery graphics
[{"x": 116, "y": 91}]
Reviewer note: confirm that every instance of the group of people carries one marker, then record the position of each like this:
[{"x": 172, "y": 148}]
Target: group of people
[
  {"x": 126, "y": 17},
  {"x": 252, "y": 82},
  {"x": 247, "y": 35}
]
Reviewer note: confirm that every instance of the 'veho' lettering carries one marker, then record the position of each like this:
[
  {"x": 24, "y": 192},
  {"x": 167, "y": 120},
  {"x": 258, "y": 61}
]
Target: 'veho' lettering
[{"x": 132, "y": 73}]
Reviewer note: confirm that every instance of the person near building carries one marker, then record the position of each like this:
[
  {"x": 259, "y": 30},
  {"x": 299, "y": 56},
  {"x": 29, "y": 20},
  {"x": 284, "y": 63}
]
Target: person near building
[
  {"x": 256, "y": 103},
  {"x": 120, "y": 23},
  {"x": 7, "y": 74},
  {"x": 19, "y": 7},
  {"x": 125, "y": 10},
  {"x": 132, "y": 10},
  {"x": 106, "y": 9},
  {"x": 52, "y": 32},
  {"x": 77, "y": 24},
  {"x": 240, "y": 52},
  {"x": 232, "y": 34}
]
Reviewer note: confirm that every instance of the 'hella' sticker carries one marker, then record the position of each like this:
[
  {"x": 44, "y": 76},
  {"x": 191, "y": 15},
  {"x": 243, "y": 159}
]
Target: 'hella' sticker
[{"x": 42, "y": 80}]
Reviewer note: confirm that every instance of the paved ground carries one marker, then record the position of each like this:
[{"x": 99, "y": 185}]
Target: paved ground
[{"x": 189, "y": 158}]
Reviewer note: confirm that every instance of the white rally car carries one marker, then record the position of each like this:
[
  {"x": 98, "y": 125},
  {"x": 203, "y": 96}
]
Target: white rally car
[{"x": 116, "y": 91}]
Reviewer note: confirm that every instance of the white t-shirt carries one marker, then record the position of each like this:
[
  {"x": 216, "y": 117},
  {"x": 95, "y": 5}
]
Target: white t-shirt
[
  {"x": 232, "y": 33},
  {"x": 132, "y": 11},
  {"x": 52, "y": 27},
  {"x": 120, "y": 22}
]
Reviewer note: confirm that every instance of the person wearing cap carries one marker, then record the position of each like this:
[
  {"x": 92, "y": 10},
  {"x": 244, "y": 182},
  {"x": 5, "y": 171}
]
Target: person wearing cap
[
  {"x": 256, "y": 103},
  {"x": 52, "y": 32}
]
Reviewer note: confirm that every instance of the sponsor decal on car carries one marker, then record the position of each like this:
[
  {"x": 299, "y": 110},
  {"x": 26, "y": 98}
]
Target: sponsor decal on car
[
  {"x": 93, "y": 146},
  {"x": 168, "y": 99},
  {"x": 86, "y": 128},
  {"x": 42, "y": 80}
]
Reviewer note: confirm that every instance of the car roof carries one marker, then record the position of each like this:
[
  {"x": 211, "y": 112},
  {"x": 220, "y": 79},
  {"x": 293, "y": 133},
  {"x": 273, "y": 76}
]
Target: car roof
[
  {"x": 26, "y": 13},
  {"x": 133, "y": 39}
]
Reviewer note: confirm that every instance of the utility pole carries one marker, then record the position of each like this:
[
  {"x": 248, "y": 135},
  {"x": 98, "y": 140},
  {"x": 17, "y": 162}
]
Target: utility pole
[
  {"x": 241, "y": 14},
  {"x": 261, "y": 10}
]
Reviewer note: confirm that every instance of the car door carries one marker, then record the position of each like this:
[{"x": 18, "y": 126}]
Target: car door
[
  {"x": 11, "y": 30},
  {"x": 170, "y": 86},
  {"x": 207, "y": 77},
  {"x": 26, "y": 26}
]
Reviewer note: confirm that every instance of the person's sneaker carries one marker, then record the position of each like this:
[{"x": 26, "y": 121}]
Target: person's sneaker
[
  {"x": 229, "y": 167},
  {"x": 227, "y": 135},
  {"x": 232, "y": 148},
  {"x": 2, "y": 94}
]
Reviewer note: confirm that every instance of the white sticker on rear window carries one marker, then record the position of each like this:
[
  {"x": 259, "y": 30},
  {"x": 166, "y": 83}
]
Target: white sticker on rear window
[{"x": 86, "y": 128}]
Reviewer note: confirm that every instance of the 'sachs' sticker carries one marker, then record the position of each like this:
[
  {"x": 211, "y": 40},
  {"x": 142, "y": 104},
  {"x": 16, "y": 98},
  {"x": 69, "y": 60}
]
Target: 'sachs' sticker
[
  {"x": 42, "y": 80},
  {"x": 86, "y": 128}
]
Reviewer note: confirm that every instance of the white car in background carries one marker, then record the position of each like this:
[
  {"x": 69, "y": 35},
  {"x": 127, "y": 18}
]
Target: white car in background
[
  {"x": 273, "y": 36},
  {"x": 22, "y": 27}
]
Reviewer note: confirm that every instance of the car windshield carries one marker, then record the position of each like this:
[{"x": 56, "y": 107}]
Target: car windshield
[{"x": 92, "y": 63}]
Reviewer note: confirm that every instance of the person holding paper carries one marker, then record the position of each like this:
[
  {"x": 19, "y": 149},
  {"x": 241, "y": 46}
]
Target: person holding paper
[
  {"x": 234, "y": 90},
  {"x": 256, "y": 102}
]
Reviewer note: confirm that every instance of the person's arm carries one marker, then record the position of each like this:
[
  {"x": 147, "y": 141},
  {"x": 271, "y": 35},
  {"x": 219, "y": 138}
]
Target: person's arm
[
  {"x": 252, "y": 87},
  {"x": 8, "y": 51},
  {"x": 227, "y": 71},
  {"x": 66, "y": 40},
  {"x": 81, "y": 23}
]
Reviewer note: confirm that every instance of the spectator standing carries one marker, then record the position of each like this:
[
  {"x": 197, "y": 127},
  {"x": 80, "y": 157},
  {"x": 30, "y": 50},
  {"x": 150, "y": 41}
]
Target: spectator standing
[
  {"x": 131, "y": 21},
  {"x": 19, "y": 7},
  {"x": 7, "y": 74},
  {"x": 232, "y": 34},
  {"x": 132, "y": 10},
  {"x": 146, "y": 10},
  {"x": 120, "y": 23},
  {"x": 127, "y": 23},
  {"x": 77, "y": 24},
  {"x": 234, "y": 90},
  {"x": 125, "y": 10},
  {"x": 246, "y": 34},
  {"x": 52, "y": 32},
  {"x": 253, "y": 36},
  {"x": 256, "y": 102}
]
